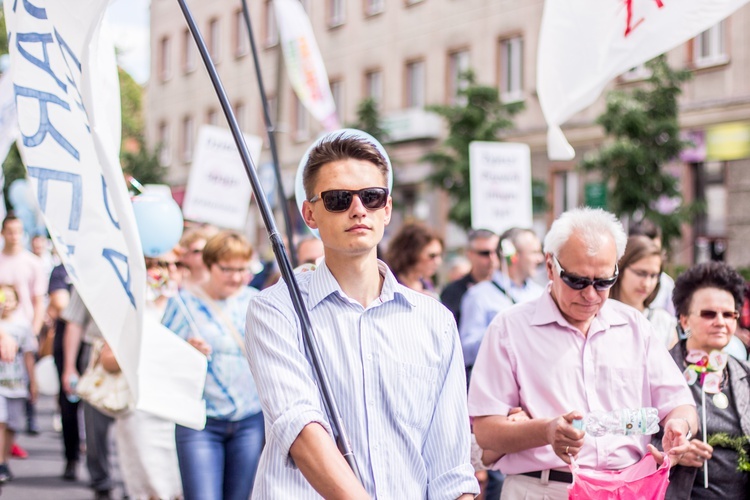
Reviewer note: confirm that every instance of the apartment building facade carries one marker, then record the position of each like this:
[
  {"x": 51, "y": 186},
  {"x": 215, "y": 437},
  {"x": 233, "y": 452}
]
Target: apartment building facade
[{"x": 407, "y": 54}]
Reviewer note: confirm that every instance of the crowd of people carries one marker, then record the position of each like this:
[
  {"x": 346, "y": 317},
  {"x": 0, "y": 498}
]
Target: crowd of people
[{"x": 475, "y": 387}]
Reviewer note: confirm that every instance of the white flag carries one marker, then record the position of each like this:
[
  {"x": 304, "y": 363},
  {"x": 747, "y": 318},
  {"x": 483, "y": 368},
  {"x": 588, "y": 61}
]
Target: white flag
[
  {"x": 67, "y": 97},
  {"x": 304, "y": 64},
  {"x": 584, "y": 44}
]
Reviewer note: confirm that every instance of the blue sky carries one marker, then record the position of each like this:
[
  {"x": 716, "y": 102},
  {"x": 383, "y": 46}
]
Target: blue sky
[{"x": 129, "y": 20}]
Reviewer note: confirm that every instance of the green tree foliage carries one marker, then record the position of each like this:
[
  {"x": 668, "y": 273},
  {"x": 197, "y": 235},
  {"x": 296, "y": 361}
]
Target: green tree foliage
[
  {"x": 479, "y": 115},
  {"x": 368, "y": 119},
  {"x": 645, "y": 133}
]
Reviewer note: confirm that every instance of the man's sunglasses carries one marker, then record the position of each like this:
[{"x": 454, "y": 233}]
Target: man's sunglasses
[
  {"x": 483, "y": 253},
  {"x": 579, "y": 282},
  {"x": 709, "y": 314},
  {"x": 339, "y": 200}
]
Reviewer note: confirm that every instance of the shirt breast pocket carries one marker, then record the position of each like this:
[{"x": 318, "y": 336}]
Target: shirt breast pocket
[{"x": 411, "y": 390}]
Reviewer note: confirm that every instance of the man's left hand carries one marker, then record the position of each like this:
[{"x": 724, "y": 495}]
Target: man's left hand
[{"x": 674, "y": 442}]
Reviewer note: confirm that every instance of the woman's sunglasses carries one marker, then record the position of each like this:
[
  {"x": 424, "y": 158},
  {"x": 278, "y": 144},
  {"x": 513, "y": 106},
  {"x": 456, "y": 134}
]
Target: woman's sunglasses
[
  {"x": 709, "y": 314},
  {"x": 579, "y": 282},
  {"x": 339, "y": 200}
]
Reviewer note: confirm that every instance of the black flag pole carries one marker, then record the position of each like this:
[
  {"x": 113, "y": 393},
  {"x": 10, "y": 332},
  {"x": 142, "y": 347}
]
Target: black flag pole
[
  {"x": 271, "y": 131},
  {"x": 287, "y": 273}
]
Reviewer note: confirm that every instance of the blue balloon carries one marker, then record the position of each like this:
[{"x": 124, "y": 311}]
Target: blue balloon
[{"x": 159, "y": 222}]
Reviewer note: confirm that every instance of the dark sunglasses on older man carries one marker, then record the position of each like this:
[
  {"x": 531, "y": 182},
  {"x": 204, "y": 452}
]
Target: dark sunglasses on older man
[
  {"x": 339, "y": 200},
  {"x": 579, "y": 282}
]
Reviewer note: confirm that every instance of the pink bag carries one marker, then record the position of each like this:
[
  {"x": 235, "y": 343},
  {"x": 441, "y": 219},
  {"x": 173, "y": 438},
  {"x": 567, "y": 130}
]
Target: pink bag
[{"x": 641, "y": 481}]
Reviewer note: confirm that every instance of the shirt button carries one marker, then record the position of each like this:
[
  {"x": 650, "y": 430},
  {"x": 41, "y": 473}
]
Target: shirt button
[
  {"x": 369, "y": 357},
  {"x": 370, "y": 402}
]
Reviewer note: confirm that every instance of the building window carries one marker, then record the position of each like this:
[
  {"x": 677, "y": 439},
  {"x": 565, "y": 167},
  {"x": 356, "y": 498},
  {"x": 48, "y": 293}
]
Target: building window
[
  {"x": 164, "y": 145},
  {"x": 565, "y": 191},
  {"x": 636, "y": 73},
  {"x": 272, "y": 29},
  {"x": 212, "y": 117},
  {"x": 458, "y": 64},
  {"x": 374, "y": 86},
  {"x": 415, "y": 84},
  {"x": 373, "y": 7},
  {"x": 336, "y": 13},
  {"x": 165, "y": 59},
  {"x": 239, "y": 33},
  {"x": 187, "y": 139},
  {"x": 188, "y": 52},
  {"x": 239, "y": 114},
  {"x": 709, "y": 47},
  {"x": 301, "y": 121},
  {"x": 214, "y": 40},
  {"x": 511, "y": 69},
  {"x": 337, "y": 92}
]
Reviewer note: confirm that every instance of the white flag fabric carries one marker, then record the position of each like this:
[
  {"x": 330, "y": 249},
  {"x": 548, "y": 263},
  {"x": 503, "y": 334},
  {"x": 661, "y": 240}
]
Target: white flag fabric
[
  {"x": 67, "y": 96},
  {"x": 304, "y": 64},
  {"x": 584, "y": 44},
  {"x": 8, "y": 128}
]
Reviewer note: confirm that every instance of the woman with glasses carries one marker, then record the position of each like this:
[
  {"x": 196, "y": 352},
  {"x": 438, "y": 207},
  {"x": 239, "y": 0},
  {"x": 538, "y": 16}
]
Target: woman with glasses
[
  {"x": 707, "y": 298},
  {"x": 145, "y": 442},
  {"x": 638, "y": 285},
  {"x": 414, "y": 255},
  {"x": 220, "y": 460}
]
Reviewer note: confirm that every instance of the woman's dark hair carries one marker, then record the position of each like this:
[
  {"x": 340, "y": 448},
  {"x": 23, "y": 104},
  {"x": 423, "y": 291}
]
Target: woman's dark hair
[
  {"x": 707, "y": 275},
  {"x": 405, "y": 247},
  {"x": 638, "y": 247}
]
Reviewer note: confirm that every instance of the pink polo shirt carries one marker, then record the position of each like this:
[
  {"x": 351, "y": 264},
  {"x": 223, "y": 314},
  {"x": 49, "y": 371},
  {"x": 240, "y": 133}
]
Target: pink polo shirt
[{"x": 533, "y": 358}]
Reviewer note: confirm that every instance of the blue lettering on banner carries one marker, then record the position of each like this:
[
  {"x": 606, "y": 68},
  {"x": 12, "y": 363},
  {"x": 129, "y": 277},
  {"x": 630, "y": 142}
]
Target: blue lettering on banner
[
  {"x": 45, "y": 126},
  {"x": 105, "y": 195},
  {"x": 67, "y": 52},
  {"x": 35, "y": 11},
  {"x": 44, "y": 39},
  {"x": 44, "y": 175},
  {"x": 111, "y": 255}
]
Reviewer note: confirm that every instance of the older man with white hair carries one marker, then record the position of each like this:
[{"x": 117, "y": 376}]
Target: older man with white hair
[{"x": 569, "y": 352}]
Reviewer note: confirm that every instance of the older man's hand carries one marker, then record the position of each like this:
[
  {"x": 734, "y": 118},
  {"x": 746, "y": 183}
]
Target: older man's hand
[{"x": 563, "y": 437}]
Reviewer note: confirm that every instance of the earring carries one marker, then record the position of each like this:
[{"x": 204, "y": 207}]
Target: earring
[{"x": 687, "y": 333}]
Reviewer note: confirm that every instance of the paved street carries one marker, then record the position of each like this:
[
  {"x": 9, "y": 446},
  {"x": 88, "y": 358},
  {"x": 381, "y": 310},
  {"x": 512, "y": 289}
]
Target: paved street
[{"x": 38, "y": 477}]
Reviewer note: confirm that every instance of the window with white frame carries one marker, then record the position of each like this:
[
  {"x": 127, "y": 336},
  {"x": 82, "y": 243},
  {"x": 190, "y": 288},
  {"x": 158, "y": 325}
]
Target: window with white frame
[
  {"x": 374, "y": 86},
  {"x": 301, "y": 121},
  {"x": 164, "y": 145},
  {"x": 241, "y": 39},
  {"x": 336, "y": 13},
  {"x": 239, "y": 114},
  {"x": 415, "y": 84},
  {"x": 189, "y": 52},
  {"x": 511, "y": 69},
  {"x": 337, "y": 92},
  {"x": 212, "y": 117},
  {"x": 458, "y": 64},
  {"x": 709, "y": 48},
  {"x": 187, "y": 139},
  {"x": 214, "y": 39},
  {"x": 373, "y": 7},
  {"x": 272, "y": 29},
  {"x": 165, "y": 59}
]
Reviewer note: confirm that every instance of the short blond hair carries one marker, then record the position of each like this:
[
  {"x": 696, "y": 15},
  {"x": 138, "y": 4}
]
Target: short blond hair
[{"x": 226, "y": 245}]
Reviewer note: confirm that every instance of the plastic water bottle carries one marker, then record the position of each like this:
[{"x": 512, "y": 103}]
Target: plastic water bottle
[
  {"x": 623, "y": 422},
  {"x": 73, "y": 397}
]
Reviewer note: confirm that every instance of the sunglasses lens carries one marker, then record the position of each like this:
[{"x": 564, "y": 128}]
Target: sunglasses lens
[
  {"x": 373, "y": 198},
  {"x": 604, "y": 284},
  {"x": 575, "y": 282},
  {"x": 708, "y": 314},
  {"x": 483, "y": 253},
  {"x": 337, "y": 200}
]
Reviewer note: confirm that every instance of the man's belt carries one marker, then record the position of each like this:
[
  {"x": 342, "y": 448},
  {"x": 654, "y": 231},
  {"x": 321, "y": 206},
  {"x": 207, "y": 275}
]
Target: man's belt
[{"x": 554, "y": 475}]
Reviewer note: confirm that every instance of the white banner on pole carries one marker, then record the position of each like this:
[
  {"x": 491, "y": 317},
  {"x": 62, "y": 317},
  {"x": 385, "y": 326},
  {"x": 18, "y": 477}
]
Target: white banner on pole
[
  {"x": 67, "y": 95},
  {"x": 304, "y": 64},
  {"x": 583, "y": 44},
  {"x": 218, "y": 191},
  {"x": 500, "y": 185}
]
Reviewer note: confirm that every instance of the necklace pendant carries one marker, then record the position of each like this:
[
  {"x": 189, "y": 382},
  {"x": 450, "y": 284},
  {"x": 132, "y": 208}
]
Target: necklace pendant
[{"x": 720, "y": 401}]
